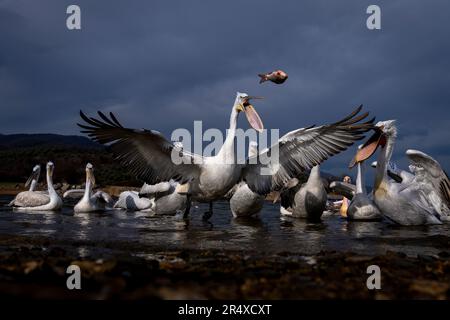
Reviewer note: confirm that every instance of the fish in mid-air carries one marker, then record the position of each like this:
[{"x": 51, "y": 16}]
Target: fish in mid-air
[{"x": 277, "y": 77}]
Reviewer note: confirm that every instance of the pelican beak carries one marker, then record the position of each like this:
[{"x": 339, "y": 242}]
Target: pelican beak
[
  {"x": 34, "y": 175},
  {"x": 252, "y": 116},
  {"x": 276, "y": 196},
  {"x": 50, "y": 170},
  {"x": 369, "y": 148}
]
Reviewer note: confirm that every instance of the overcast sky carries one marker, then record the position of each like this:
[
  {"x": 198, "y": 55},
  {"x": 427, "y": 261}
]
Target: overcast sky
[{"x": 163, "y": 64}]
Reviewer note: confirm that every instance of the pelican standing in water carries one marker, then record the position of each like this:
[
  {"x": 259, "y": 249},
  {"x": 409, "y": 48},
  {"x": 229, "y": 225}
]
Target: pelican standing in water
[
  {"x": 42, "y": 202},
  {"x": 399, "y": 202},
  {"x": 90, "y": 201},
  {"x": 30, "y": 197},
  {"x": 244, "y": 202},
  {"x": 150, "y": 156}
]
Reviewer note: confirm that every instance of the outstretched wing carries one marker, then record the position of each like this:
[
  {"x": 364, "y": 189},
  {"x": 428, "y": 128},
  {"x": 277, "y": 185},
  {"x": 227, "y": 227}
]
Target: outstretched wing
[
  {"x": 145, "y": 153},
  {"x": 428, "y": 170},
  {"x": 302, "y": 149}
]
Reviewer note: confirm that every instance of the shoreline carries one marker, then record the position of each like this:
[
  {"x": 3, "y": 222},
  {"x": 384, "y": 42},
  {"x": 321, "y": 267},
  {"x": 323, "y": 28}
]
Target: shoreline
[{"x": 34, "y": 267}]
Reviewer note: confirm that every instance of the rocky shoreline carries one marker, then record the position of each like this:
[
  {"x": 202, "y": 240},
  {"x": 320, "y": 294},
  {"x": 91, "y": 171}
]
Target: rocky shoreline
[{"x": 35, "y": 267}]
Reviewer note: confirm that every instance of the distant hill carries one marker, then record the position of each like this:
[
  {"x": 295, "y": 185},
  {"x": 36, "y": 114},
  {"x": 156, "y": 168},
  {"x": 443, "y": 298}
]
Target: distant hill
[
  {"x": 45, "y": 140},
  {"x": 20, "y": 152}
]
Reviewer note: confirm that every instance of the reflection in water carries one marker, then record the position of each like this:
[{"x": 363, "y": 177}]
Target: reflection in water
[{"x": 267, "y": 232}]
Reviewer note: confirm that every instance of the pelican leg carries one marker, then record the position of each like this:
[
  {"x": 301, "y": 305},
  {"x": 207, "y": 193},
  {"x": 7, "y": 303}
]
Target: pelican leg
[
  {"x": 188, "y": 207},
  {"x": 208, "y": 214}
]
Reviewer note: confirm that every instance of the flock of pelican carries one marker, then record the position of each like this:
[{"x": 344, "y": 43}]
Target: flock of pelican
[{"x": 421, "y": 196}]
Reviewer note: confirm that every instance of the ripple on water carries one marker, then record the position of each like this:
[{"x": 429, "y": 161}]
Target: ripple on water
[{"x": 266, "y": 233}]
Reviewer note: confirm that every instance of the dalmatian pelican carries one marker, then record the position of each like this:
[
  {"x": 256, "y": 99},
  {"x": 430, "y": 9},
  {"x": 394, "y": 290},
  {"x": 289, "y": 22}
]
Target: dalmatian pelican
[
  {"x": 244, "y": 202},
  {"x": 30, "y": 197},
  {"x": 148, "y": 155},
  {"x": 43, "y": 202},
  {"x": 403, "y": 203},
  {"x": 90, "y": 202}
]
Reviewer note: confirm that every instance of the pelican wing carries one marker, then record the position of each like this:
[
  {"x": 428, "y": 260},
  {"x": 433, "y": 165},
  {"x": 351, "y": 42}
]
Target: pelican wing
[
  {"x": 146, "y": 153},
  {"x": 30, "y": 199},
  {"x": 104, "y": 197},
  {"x": 344, "y": 189},
  {"x": 302, "y": 149},
  {"x": 74, "y": 193},
  {"x": 431, "y": 172},
  {"x": 148, "y": 189}
]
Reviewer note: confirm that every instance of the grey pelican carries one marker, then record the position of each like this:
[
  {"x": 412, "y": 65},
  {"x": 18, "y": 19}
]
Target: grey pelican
[
  {"x": 167, "y": 197},
  {"x": 30, "y": 197},
  {"x": 311, "y": 199},
  {"x": 131, "y": 201},
  {"x": 43, "y": 202},
  {"x": 361, "y": 207},
  {"x": 90, "y": 201},
  {"x": 148, "y": 155},
  {"x": 244, "y": 202},
  {"x": 397, "y": 201}
]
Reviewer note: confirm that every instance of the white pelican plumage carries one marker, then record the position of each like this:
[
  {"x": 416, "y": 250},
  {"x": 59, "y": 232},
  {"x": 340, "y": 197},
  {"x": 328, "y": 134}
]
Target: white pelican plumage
[
  {"x": 90, "y": 201},
  {"x": 148, "y": 155},
  {"x": 131, "y": 201},
  {"x": 44, "y": 202},
  {"x": 244, "y": 202},
  {"x": 31, "y": 197},
  {"x": 401, "y": 203}
]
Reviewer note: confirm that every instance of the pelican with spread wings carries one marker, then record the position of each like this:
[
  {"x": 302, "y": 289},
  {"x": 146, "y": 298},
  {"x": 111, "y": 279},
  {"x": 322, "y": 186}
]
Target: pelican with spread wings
[{"x": 148, "y": 155}]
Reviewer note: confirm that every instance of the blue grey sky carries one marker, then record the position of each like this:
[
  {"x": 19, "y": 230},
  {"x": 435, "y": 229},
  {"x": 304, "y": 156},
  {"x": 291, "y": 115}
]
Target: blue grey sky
[{"x": 163, "y": 64}]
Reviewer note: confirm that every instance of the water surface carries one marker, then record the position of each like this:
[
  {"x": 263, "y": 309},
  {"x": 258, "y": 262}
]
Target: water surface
[{"x": 266, "y": 233}]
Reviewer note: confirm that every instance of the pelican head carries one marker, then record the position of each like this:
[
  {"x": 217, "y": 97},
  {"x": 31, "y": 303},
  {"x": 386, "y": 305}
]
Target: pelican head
[
  {"x": 384, "y": 130},
  {"x": 90, "y": 174},
  {"x": 50, "y": 168},
  {"x": 34, "y": 175},
  {"x": 242, "y": 103}
]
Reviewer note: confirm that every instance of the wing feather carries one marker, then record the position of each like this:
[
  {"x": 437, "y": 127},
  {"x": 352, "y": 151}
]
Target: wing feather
[
  {"x": 302, "y": 149},
  {"x": 145, "y": 153}
]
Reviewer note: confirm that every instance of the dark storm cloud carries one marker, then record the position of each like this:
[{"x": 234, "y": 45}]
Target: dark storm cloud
[{"x": 164, "y": 64}]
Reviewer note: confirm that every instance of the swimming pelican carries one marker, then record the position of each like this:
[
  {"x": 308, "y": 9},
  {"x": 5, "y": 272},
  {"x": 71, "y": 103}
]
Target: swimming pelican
[
  {"x": 152, "y": 158},
  {"x": 397, "y": 201},
  {"x": 167, "y": 197},
  {"x": 90, "y": 201},
  {"x": 361, "y": 207},
  {"x": 311, "y": 199},
  {"x": 131, "y": 201},
  {"x": 244, "y": 202},
  {"x": 49, "y": 202},
  {"x": 30, "y": 197}
]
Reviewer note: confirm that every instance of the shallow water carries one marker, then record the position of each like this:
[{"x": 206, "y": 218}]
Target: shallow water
[{"x": 266, "y": 233}]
